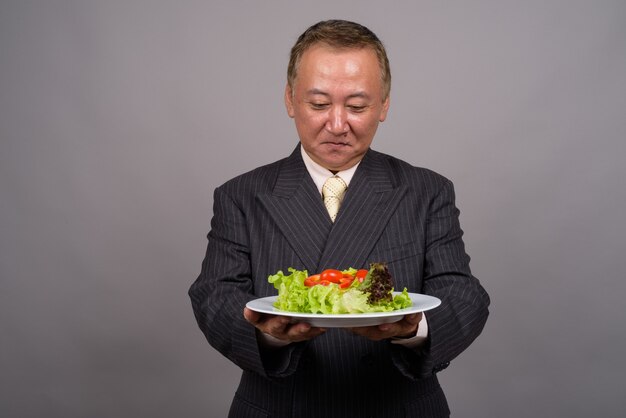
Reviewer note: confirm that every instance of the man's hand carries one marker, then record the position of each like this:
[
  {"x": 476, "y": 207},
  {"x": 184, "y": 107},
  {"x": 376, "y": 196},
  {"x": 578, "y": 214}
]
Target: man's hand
[
  {"x": 281, "y": 328},
  {"x": 405, "y": 328}
]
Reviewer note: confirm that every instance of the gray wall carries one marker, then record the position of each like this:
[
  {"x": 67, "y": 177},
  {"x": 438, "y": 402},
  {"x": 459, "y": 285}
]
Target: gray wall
[{"x": 119, "y": 118}]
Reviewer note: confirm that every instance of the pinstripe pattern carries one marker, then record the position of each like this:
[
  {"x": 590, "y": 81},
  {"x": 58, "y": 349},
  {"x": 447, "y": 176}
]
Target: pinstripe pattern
[{"x": 273, "y": 218}]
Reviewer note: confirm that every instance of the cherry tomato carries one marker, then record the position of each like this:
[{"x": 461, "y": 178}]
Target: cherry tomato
[
  {"x": 333, "y": 276},
  {"x": 360, "y": 275}
]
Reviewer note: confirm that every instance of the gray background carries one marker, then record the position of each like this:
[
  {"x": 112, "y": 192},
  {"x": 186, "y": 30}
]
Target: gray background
[{"x": 119, "y": 118}]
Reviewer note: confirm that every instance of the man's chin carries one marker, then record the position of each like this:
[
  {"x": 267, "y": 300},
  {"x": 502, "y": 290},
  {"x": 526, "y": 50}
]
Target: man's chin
[
  {"x": 339, "y": 161},
  {"x": 333, "y": 157}
]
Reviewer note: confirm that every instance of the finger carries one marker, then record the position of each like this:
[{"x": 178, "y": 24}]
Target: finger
[
  {"x": 298, "y": 330},
  {"x": 303, "y": 331},
  {"x": 304, "y": 328},
  {"x": 276, "y": 326},
  {"x": 389, "y": 329},
  {"x": 407, "y": 327},
  {"x": 385, "y": 327},
  {"x": 413, "y": 319},
  {"x": 251, "y": 316}
]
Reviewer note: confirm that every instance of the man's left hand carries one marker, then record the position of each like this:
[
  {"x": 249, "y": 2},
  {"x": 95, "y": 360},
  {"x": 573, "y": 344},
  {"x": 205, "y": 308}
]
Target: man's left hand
[{"x": 405, "y": 328}]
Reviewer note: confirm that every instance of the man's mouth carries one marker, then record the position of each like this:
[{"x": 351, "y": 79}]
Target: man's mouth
[{"x": 336, "y": 143}]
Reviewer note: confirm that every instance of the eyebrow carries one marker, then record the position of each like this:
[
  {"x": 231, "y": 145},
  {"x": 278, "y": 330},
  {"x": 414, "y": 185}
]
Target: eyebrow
[{"x": 358, "y": 94}]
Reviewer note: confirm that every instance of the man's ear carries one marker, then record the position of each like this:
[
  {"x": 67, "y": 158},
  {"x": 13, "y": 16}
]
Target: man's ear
[
  {"x": 385, "y": 109},
  {"x": 289, "y": 101}
]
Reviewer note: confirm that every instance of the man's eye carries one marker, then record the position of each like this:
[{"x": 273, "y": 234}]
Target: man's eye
[
  {"x": 319, "y": 106},
  {"x": 357, "y": 109}
]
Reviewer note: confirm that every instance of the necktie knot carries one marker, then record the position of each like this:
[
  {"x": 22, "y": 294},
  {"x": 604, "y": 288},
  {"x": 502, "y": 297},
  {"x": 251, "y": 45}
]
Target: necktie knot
[{"x": 333, "y": 191}]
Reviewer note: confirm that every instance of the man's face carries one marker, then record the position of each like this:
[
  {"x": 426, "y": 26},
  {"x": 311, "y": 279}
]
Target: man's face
[{"x": 337, "y": 104}]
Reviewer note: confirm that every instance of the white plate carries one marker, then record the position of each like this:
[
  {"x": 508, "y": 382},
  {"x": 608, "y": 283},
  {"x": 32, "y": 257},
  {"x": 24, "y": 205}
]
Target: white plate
[{"x": 421, "y": 303}]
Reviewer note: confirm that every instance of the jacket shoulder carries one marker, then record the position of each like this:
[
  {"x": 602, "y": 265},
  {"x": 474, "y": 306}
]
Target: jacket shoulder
[
  {"x": 258, "y": 179},
  {"x": 406, "y": 173}
]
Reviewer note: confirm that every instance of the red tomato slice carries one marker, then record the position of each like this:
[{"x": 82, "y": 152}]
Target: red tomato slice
[
  {"x": 312, "y": 280},
  {"x": 328, "y": 276},
  {"x": 360, "y": 275},
  {"x": 345, "y": 282},
  {"x": 333, "y": 276}
]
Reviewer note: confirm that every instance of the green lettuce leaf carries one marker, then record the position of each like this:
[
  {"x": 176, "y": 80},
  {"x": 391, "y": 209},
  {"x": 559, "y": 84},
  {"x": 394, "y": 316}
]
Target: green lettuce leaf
[{"x": 294, "y": 296}]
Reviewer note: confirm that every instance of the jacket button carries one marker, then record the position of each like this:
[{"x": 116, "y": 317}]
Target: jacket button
[{"x": 440, "y": 367}]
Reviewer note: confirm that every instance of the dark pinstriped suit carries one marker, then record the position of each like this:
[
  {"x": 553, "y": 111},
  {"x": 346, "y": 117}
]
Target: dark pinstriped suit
[{"x": 273, "y": 218}]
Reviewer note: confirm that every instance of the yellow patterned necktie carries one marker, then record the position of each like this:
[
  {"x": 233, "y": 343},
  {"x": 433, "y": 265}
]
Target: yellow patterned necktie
[{"x": 333, "y": 191}]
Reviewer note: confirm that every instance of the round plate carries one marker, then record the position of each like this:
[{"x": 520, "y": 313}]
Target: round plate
[{"x": 421, "y": 303}]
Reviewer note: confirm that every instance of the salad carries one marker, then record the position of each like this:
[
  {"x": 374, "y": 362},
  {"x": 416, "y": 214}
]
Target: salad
[{"x": 338, "y": 292}]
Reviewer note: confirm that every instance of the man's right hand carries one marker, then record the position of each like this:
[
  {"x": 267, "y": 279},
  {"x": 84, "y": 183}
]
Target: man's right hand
[{"x": 281, "y": 328}]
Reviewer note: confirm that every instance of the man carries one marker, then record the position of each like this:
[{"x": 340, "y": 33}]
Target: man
[{"x": 273, "y": 218}]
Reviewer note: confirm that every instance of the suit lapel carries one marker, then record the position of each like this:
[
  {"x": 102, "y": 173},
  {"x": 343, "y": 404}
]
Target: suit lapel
[
  {"x": 297, "y": 209},
  {"x": 371, "y": 199}
]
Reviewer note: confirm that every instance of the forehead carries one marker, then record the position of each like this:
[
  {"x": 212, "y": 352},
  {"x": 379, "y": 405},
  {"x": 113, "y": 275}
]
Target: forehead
[{"x": 341, "y": 63}]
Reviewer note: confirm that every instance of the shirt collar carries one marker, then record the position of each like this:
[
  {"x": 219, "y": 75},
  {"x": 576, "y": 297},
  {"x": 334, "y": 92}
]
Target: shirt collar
[{"x": 320, "y": 174}]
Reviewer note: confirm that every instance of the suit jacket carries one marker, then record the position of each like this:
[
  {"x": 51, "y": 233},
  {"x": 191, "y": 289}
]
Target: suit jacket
[{"x": 273, "y": 218}]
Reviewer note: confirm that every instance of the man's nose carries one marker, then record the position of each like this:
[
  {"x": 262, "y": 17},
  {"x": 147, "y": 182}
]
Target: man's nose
[{"x": 337, "y": 123}]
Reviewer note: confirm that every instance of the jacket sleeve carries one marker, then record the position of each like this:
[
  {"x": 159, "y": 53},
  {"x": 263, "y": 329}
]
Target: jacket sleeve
[
  {"x": 224, "y": 286},
  {"x": 460, "y": 318}
]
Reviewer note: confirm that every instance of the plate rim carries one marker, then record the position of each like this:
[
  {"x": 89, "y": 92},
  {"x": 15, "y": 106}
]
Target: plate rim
[{"x": 365, "y": 315}]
